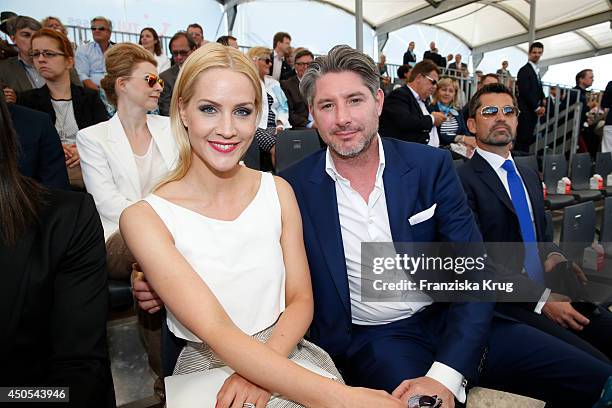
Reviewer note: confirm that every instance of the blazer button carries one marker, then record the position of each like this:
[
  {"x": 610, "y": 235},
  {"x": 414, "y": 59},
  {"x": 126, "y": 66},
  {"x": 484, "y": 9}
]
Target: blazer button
[{"x": 348, "y": 330}]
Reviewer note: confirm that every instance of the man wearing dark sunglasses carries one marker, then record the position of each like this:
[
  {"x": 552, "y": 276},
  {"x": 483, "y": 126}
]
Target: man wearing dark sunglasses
[
  {"x": 181, "y": 46},
  {"x": 89, "y": 58},
  {"x": 405, "y": 115},
  {"x": 507, "y": 201}
]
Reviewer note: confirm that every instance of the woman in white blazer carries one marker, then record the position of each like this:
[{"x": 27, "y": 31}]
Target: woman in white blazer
[{"x": 125, "y": 157}]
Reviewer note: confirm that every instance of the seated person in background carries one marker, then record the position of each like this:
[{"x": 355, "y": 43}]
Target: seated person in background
[
  {"x": 402, "y": 75},
  {"x": 125, "y": 157},
  {"x": 71, "y": 107},
  {"x": 150, "y": 41},
  {"x": 40, "y": 150},
  {"x": 181, "y": 46},
  {"x": 53, "y": 296},
  {"x": 506, "y": 214},
  {"x": 90, "y": 56},
  {"x": 452, "y": 130},
  {"x": 186, "y": 235},
  {"x": 54, "y": 23},
  {"x": 405, "y": 115},
  {"x": 484, "y": 80},
  {"x": 18, "y": 74},
  {"x": 228, "y": 41},
  {"x": 274, "y": 117},
  {"x": 299, "y": 116}
]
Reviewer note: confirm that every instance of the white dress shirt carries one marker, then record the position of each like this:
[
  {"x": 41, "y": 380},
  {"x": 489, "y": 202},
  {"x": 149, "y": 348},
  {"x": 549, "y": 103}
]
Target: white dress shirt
[
  {"x": 496, "y": 162},
  {"x": 362, "y": 221},
  {"x": 434, "y": 140},
  {"x": 277, "y": 67}
]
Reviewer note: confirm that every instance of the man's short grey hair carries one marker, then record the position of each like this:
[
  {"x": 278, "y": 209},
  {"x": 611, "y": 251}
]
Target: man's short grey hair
[
  {"x": 21, "y": 22},
  {"x": 108, "y": 22},
  {"x": 341, "y": 58}
]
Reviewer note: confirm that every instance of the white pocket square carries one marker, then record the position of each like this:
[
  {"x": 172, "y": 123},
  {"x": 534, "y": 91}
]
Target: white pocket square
[{"x": 422, "y": 216}]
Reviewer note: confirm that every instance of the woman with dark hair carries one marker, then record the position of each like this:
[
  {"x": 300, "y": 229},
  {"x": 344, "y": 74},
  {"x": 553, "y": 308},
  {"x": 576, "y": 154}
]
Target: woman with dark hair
[
  {"x": 70, "y": 106},
  {"x": 53, "y": 297},
  {"x": 150, "y": 41}
]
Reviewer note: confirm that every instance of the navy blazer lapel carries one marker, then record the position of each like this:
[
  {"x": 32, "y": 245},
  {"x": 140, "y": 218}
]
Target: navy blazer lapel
[
  {"x": 323, "y": 207},
  {"x": 401, "y": 191},
  {"x": 491, "y": 179}
]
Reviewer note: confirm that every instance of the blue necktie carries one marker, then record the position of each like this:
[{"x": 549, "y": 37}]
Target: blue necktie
[{"x": 532, "y": 262}]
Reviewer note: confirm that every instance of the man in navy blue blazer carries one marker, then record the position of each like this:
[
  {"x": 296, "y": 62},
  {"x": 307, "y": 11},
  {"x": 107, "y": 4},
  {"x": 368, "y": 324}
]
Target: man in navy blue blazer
[
  {"x": 487, "y": 185},
  {"x": 41, "y": 155},
  {"x": 362, "y": 189}
]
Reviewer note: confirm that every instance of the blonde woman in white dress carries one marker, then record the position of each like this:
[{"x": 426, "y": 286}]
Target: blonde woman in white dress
[{"x": 222, "y": 245}]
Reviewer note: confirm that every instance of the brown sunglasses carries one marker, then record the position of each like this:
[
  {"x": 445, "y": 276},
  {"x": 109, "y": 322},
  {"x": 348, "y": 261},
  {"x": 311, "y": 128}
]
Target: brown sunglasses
[{"x": 151, "y": 79}]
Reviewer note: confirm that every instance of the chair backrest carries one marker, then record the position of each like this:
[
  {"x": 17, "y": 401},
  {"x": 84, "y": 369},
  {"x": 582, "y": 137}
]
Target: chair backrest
[
  {"x": 603, "y": 164},
  {"x": 293, "y": 145},
  {"x": 606, "y": 221},
  {"x": 251, "y": 158},
  {"x": 527, "y": 161},
  {"x": 581, "y": 171},
  {"x": 555, "y": 168},
  {"x": 549, "y": 231},
  {"x": 578, "y": 230}
]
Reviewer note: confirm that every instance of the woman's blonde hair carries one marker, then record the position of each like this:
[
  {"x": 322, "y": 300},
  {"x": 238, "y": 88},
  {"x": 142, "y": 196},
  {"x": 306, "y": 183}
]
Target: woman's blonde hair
[
  {"x": 209, "y": 56},
  {"x": 120, "y": 60},
  {"x": 259, "y": 52},
  {"x": 443, "y": 83}
]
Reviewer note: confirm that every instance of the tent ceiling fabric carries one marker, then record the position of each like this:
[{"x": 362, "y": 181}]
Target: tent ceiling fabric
[{"x": 566, "y": 27}]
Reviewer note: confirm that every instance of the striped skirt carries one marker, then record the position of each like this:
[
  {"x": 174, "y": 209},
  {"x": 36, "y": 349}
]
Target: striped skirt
[{"x": 199, "y": 357}]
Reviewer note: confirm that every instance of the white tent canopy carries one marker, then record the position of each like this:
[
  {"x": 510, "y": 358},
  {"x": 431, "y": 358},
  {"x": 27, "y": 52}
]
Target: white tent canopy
[{"x": 569, "y": 29}]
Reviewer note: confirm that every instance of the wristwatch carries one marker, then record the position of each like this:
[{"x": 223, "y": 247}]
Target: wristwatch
[{"x": 424, "y": 401}]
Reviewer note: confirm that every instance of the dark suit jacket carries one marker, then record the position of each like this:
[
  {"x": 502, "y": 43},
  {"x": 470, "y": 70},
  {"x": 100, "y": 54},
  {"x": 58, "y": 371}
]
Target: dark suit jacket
[
  {"x": 530, "y": 93},
  {"x": 438, "y": 59},
  {"x": 403, "y": 119},
  {"x": 15, "y": 77},
  {"x": 453, "y": 66},
  {"x": 41, "y": 155},
  {"x": 286, "y": 70},
  {"x": 497, "y": 219},
  {"x": 88, "y": 108},
  {"x": 169, "y": 76},
  {"x": 298, "y": 108},
  {"x": 606, "y": 102},
  {"x": 54, "y": 302},
  {"x": 415, "y": 178},
  {"x": 409, "y": 58}
]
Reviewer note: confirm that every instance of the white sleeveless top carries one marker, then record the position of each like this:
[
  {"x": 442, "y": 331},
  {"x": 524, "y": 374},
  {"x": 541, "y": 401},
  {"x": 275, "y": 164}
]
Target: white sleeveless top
[{"x": 241, "y": 261}]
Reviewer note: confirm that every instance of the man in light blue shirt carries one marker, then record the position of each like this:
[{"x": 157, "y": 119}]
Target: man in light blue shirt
[{"x": 90, "y": 56}]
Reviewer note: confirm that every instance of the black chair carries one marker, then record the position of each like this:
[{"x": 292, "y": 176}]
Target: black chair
[
  {"x": 120, "y": 294},
  {"x": 606, "y": 222},
  {"x": 603, "y": 167},
  {"x": 555, "y": 168},
  {"x": 578, "y": 230},
  {"x": 581, "y": 173},
  {"x": 293, "y": 145},
  {"x": 528, "y": 161},
  {"x": 251, "y": 158},
  {"x": 549, "y": 231}
]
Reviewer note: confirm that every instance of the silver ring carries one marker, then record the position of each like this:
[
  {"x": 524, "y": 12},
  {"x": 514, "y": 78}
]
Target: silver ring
[{"x": 248, "y": 405}]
